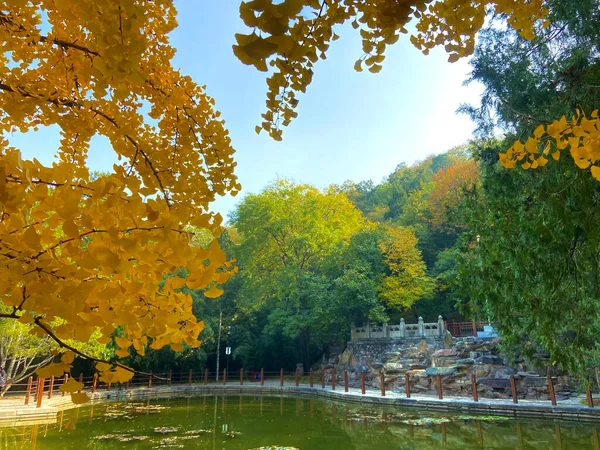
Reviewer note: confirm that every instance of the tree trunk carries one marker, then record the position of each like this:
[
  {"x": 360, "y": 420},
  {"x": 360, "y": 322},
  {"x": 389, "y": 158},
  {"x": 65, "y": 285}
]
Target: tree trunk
[{"x": 305, "y": 347}]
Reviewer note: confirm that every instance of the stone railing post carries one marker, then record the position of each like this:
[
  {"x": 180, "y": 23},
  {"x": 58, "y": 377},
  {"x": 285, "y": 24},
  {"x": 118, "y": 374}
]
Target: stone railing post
[
  {"x": 352, "y": 334},
  {"x": 421, "y": 327},
  {"x": 368, "y": 329},
  {"x": 440, "y": 326},
  {"x": 384, "y": 328}
]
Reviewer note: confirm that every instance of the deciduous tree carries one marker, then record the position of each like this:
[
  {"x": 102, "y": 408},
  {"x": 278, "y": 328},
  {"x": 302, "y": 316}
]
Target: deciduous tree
[
  {"x": 92, "y": 251},
  {"x": 291, "y": 36}
]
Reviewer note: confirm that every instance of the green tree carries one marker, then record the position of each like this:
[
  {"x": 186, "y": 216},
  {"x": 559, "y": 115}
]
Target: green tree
[
  {"x": 534, "y": 269},
  {"x": 287, "y": 231}
]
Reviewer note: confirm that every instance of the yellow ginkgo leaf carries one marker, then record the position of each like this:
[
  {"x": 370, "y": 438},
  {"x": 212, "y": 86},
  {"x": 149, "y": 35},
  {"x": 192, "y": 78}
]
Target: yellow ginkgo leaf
[
  {"x": 52, "y": 370},
  {"x": 213, "y": 292},
  {"x": 79, "y": 398},
  {"x": 102, "y": 366},
  {"x": 32, "y": 239},
  {"x": 68, "y": 357},
  {"x": 71, "y": 386},
  {"x": 375, "y": 68},
  {"x": 122, "y": 353},
  {"x": 70, "y": 229},
  {"x": 121, "y": 375},
  {"x": 177, "y": 347}
]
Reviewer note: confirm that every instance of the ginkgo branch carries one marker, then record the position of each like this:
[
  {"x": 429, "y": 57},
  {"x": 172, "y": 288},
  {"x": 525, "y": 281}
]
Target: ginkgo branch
[
  {"x": 63, "y": 344},
  {"x": 6, "y": 21},
  {"x": 73, "y": 104}
]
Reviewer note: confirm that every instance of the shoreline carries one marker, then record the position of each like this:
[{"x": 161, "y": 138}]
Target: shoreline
[{"x": 571, "y": 410}]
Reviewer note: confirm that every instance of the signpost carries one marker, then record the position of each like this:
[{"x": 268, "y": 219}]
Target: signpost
[{"x": 228, "y": 352}]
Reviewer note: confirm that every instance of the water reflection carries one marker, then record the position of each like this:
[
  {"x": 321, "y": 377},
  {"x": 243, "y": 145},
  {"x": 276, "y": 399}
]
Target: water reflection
[{"x": 255, "y": 421}]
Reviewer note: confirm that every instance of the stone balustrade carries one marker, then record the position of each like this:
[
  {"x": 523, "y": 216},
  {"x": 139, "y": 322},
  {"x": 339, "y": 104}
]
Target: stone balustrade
[{"x": 399, "y": 331}]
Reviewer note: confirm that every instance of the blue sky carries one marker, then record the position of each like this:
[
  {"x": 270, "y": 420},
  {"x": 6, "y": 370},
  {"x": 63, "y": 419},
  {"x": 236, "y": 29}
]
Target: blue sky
[{"x": 351, "y": 126}]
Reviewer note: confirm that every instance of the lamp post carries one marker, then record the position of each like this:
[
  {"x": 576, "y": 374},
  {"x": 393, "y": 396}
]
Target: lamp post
[{"x": 219, "y": 341}]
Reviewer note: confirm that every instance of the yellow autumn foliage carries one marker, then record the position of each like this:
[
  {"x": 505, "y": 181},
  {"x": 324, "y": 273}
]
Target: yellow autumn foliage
[
  {"x": 290, "y": 36},
  {"x": 92, "y": 251},
  {"x": 579, "y": 135}
]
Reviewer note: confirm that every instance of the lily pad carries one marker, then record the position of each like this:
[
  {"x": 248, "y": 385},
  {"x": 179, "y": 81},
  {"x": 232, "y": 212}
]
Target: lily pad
[
  {"x": 274, "y": 447},
  {"x": 426, "y": 421},
  {"x": 165, "y": 430},
  {"x": 124, "y": 437}
]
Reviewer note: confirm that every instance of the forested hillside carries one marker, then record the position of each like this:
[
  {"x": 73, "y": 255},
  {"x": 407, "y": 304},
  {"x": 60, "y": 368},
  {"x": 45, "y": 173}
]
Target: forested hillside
[
  {"x": 457, "y": 234},
  {"x": 313, "y": 263}
]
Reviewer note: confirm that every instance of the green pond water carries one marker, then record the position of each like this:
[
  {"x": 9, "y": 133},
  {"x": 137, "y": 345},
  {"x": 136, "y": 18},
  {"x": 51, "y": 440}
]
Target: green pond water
[{"x": 250, "y": 422}]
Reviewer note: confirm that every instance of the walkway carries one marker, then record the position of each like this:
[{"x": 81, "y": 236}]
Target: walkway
[{"x": 13, "y": 412}]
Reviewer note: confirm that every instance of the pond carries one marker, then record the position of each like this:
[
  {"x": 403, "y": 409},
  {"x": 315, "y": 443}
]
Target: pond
[{"x": 252, "y": 422}]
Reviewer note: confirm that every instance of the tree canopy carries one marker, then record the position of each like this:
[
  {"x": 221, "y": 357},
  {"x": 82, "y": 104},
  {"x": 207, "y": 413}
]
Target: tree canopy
[
  {"x": 131, "y": 256},
  {"x": 92, "y": 252},
  {"x": 291, "y": 36},
  {"x": 533, "y": 270}
]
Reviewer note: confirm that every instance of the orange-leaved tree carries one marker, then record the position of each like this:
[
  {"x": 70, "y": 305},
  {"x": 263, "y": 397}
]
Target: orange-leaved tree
[
  {"x": 80, "y": 254},
  {"x": 448, "y": 187}
]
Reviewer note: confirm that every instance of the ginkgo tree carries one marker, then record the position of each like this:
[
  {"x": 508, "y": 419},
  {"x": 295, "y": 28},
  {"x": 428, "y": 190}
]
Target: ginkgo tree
[
  {"x": 292, "y": 35},
  {"x": 81, "y": 254}
]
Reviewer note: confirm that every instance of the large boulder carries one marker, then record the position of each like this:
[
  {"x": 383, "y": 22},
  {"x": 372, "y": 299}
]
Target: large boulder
[
  {"x": 444, "y": 353},
  {"x": 535, "y": 382},
  {"x": 444, "y": 358},
  {"x": 442, "y": 371},
  {"x": 345, "y": 357},
  {"x": 393, "y": 367},
  {"x": 489, "y": 359},
  {"x": 495, "y": 383},
  {"x": 504, "y": 373}
]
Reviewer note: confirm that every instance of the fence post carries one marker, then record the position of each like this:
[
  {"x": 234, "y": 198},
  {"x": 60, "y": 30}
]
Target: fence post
[
  {"x": 80, "y": 378},
  {"x": 28, "y": 393},
  {"x": 40, "y": 392},
  {"x": 241, "y": 376},
  {"x": 281, "y": 377},
  {"x": 224, "y": 376},
  {"x": 95, "y": 383},
  {"x": 205, "y": 376},
  {"x": 382, "y": 383},
  {"x": 407, "y": 384},
  {"x": 190, "y": 376},
  {"x": 65, "y": 380},
  {"x": 438, "y": 382},
  {"x": 440, "y": 326},
  {"x": 297, "y": 380},
  {"x": 588, "y": 394},
  {"x": 345, "y": 380},
  {"x": 51, "y": 387},
  {"x": 170, "y": 377},
  {"x": 310, "y": 377},
  {"x": 421, "y": 327},
  {"x": 150, "y": 380},
  {"x": 474, "y": 388},
  {"x": 513, "y": 389},
  {"x": 322, "y": 378},
  {"x": 551, "y": 391},
  {"x": 474, "y": 328},
  {"x": 333, "y": 376},
  {"x": 262, "y": 377},
  {"x": 362, "y": 383}
]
